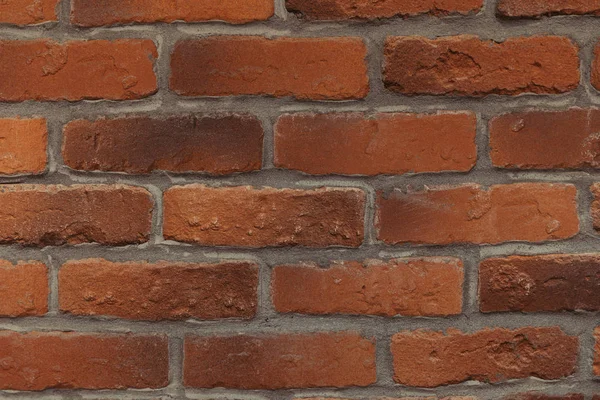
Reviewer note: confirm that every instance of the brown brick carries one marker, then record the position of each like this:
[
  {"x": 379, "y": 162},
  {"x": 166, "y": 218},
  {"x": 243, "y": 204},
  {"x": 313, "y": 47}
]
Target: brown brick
[
  {"x": 23, "y": 289},
  {"x": 556, "y": 282},
  {"x": 469, "y": 66},
  {"x": 77, "y": 70},
  {"x": 23, "y": 145},
  {"x": 279, "y": 361},
  {"x": 533, "y": 212},
  {"x": 212, "y": 144},
  {"x": 595, "y": 208},
  {"x": 53, "y": 215},
  {"x": 410, "y": 287},
  {"x": 305, "y": 68},
  {"x": 356, "y": 144},
  {"x": 163, "y": 290},
  {"x": 27, "y": 12},
  {"x": 539, "y": 8},
  {"x": 597, "y": 352},
  {"x": 546, "y": 140},
  {"x": 249, "y": 217},
  {"x": 595, "y": 72},
  {"x": 430, "y": 359},
  {"x": 348, "y": 9},
  {"x": 111, "y": 12},
  {"x": 64, "y": 360}
]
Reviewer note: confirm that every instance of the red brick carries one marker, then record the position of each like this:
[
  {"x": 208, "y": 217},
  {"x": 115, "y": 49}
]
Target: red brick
[
  {"x": 430, "y": 359},
  {"x": 23, "y": 289},
  {"x": 54, "y": 215},
  {"x": 356, "y": 144},
  {"x": 347, "y": 9},
  {"x": 410, "y": 287},
  {"x": 597, "y": 352},
  {"x": 595, "y": 72},
  {"x": 539, "y": 8},
  {"x": 279, "y": 361},
  {"x": 249, "y": 217},
  {"x": 595, "y": 208},
  {"x": 77, "y": 70},
  {"x": 111, "y": 12},
  {"x": 212, "y": 144},
  {"x": 556, "y": 282},
  {"x": 533, "y": 212},
  {"x": 23, "y": 146},
  {"x": 546, "y": 140},
  {"x": 65, "y": 360},
  {"x": 28, "y": 12},
  {"x": 469, "y": 66},
  {"x": 163, "y": 290},
  {"x": 305, "y": 68}
]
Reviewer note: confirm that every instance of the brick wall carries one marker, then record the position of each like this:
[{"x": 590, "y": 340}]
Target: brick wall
[{"x": 299, "y": 199}]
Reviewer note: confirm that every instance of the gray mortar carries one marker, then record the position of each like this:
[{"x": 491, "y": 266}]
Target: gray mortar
[{"x": 582, "y": 30}]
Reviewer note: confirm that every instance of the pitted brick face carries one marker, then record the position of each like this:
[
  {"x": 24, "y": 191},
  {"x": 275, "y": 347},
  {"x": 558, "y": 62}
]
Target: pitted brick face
[
  {"x": 539, "y": 8},
  {"x": 28, "y": 12},
  {"x": 23, "y": 146},
  {"x": 24, "y": 288}
]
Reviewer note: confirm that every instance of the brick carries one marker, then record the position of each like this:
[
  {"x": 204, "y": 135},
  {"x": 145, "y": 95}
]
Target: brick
[
  {"x": 349, "y": 9},
  {"x": 596, "y": 366},
  {"x": 28, "y": 12},
  {"x": 279, "y": 361},
  {"x": 409, "y": 287},
  {"x": 305, "y": 68},
  {"x": 556, "y": 282},
  {"x": 595, "y": 207},
  {"x": 215, "y": 145},
  {"x": 54, "y": 215},
  {"x": 68, "y": 360},
  {"x": 469, "y": 66},
  {"x": 158, "y": 291},
  {"x": 546, "y": 140},
  {"x": 533, "y": 212},
  {"x": 249, "y": 217},
  {"x": 542, "y": 396},
  {"x": 430, "y": 359},
  {"x": 23, "y": 289},
  {"x": 595, "y": 69},
  {"x": 539, "y": 8},
  {"x": 23, "y": 146},
  {"x": 111, "y": 12},
  {"x": 77, "y": 70},
  {"x": 356, "y": 144}
]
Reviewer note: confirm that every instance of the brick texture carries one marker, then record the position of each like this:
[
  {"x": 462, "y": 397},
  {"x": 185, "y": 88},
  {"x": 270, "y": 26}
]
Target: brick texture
[
  {"x": 23, "y": 145},
  {"x": 538, "y": 8},
  {"x": 23, "y": 288},
  {"x": 28, "y": 12}
]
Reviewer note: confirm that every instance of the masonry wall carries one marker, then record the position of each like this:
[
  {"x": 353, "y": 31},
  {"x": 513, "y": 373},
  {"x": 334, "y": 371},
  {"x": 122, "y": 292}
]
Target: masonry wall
[{"x": 340, "y": 199}]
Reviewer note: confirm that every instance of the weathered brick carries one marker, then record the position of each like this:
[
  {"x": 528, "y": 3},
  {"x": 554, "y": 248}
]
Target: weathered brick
[
  {"x": 23, "y": 146},
  {"x": 112, "y": 12},
  {"x": 53, "y": 215},
  {"x": 539, "y": 8},
  {"x": 212, "y": 144},
  {"x": 542, "y": 396},
  {"x": 28, "y": 12},
  {"x": 429, "y": 359},
  {"x": 279, "y": 361},
  {"x": 65, "y": 360},
  {"x": 595, "y": 69},
  {"x": 244, "y": 216},
  {"x": 596, "y": 366},
  {"x": 23, "y": 289},
  {"x": 533, "y": 212},
  {"x": 595, "y": 208},
  {"x": 163, "y": 290},
  {"x": 410, "y": 287},
  {"x": 469, "y": 66},
  {"x": 76, "y": 70},
  {"x": 556, "y": 282},
  {"x": 305, "y": 68},
  {"x": 356, "y": 144}
]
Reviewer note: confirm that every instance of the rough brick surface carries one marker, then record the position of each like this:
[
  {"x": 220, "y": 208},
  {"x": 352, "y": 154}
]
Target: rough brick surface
[
  {"x": 533, "y": 212},
  {"x": 557, "y": 282},
  {"x": 595, "y": 68},
  {"x": 354, "y": 143},
  {"x": 542, "y": 396},
  {"x": 249, "y": 217},
  {"x": 23, "y": 146},
  {"x": 430, "y": 359},
  {"x": 538, "y": 8},
  {"x": 61, "y": 360},
  {"x": 278, "y": 362},
  {"x": 158, "y": 291},
  {"x": 54, "y": 215},
  {"x": 470, "y": 66},
  {"x": 23, "y": 289},
  {"x": 347, "y": 9},
  {"x": 597, "y": 352},
  {"x": 111, "y": 12},
  {"x": 305, "y": 68},
  {"x": 410, "y": 287},
  {"x": 595, "y": 211},
  {"x": 76, "y": 70},
  {"x": 27, "y": 12},
  {"x": 213, "y": 144}
]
